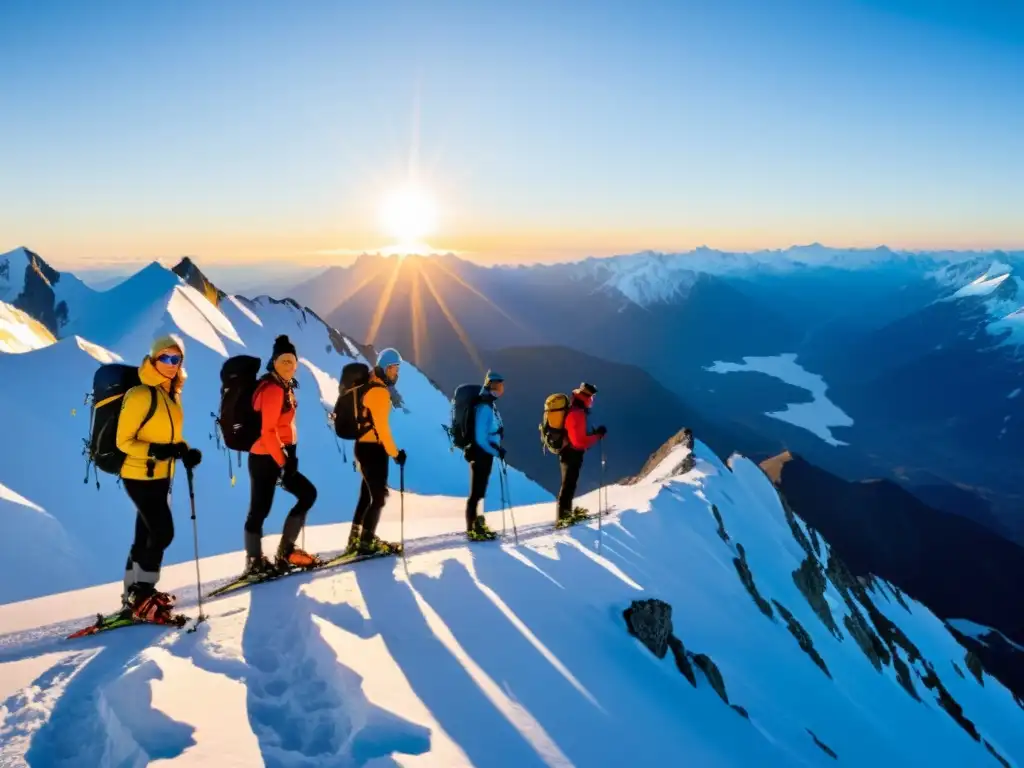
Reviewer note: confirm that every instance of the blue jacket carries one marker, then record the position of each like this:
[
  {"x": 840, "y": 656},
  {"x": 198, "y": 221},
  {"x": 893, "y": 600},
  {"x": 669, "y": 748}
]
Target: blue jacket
[{"x": 487, "y": 422}]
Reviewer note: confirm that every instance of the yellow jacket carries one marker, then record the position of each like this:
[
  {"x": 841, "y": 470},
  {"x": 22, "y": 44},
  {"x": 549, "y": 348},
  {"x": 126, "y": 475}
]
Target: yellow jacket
[
  {"x": 164, "y": 426},
  {"x": 378, "y": 401}
]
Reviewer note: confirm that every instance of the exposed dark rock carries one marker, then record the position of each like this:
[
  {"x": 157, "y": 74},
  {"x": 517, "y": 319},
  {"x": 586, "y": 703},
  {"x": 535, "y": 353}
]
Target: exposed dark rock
[
  {"x": 748, "y": 581},
  {"x": 958, "y": 670},
  {"x": 37, "y": 298},
  {"x": 683, "y": 437},
  {"x": 811, "y": 582},
  {"x": 867, "y": 640},
  {"x": 903, "y": 675},
  {"x": 948, "y": 703},
  {"x": 815, "y": 542},
  {"x": 974, "y": 665},
  {"x": 802, "y": 638},
  {"x": 721, "y": 526},
  {"x": 191, "y": 274},
  {"x": 711, "y": 672},
  {"x": 824, "y": 747},
  {"x": 794, "y": 526},
  {"x": 741, "y": 710},
  {"x": 996, "y": 755},
  {"x": 681, "y": 656},
  {"x": 650, "y": 622}
]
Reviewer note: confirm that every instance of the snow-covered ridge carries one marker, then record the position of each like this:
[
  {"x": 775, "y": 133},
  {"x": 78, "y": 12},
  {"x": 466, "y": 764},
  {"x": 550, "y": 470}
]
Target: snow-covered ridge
[{"x": 509, "y": 655}]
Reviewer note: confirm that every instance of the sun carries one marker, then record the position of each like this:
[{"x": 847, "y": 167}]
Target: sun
[{"x": 408, "y": 214}]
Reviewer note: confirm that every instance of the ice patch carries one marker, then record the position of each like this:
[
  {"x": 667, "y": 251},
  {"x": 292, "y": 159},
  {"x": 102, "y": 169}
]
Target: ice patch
[
  {"x": 8, "y": 495},
  {"x": 817, "y": 416}
]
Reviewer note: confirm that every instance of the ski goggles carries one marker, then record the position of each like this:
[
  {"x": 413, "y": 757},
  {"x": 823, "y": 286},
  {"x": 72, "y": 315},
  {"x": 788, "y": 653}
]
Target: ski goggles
[{"x": 169, "y": 359}]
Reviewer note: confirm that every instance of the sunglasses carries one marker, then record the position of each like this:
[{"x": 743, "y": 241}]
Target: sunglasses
[{"x": 169, "y": 359}]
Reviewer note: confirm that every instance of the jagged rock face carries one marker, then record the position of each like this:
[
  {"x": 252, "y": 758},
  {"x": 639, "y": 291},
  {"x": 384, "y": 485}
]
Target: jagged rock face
[
  {"x": 822, "y": 745},
  {"x": 191, "y": 274},
  {"x": 37, "y": 299},
  {"x": 650, "y": 622},
  {"x": 747, "y": 578},
  {"x": 683, "y": 437},
  {"x": 803, "y": 639}
]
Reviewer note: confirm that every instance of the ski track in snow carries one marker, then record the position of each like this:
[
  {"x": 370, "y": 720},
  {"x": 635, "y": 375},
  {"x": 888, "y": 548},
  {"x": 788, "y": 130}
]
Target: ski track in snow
[{"x": 816, "y": 416}]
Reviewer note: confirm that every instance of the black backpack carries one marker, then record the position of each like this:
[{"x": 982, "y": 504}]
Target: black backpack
[
  {"x": 240, "y": 425},
  {"x": 110, "y": 384},
  {"x": 350, "y": 423},
  {"x": 462, "y": 428}
]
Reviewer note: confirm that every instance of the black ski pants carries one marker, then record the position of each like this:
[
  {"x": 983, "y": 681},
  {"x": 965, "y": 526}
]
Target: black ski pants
[
  {"x": 154, "y": 529},
  {"x": 480, "y": 465},
  {"x": 571, "y": 462},
  {"x": 374, "y": 463},
  {"x": 263, "y": 476}
]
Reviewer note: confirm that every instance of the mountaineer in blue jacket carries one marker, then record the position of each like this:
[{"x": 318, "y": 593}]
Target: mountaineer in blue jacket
[{"x": 486, "y": 445}]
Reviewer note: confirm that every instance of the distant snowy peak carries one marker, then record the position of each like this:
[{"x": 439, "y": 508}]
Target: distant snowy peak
[
  {"x": 187, "y": 270},
  {"x": 50, "y": 297},
  {"x": 997, "y": 281}
]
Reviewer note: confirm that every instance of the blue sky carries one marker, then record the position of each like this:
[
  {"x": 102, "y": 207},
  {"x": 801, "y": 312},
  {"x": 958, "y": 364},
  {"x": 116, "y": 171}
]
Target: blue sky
[{"x": 258, "y": 130}]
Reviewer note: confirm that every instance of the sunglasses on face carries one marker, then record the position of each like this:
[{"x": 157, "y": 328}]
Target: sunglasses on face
[{"x": 169, "y": 359}]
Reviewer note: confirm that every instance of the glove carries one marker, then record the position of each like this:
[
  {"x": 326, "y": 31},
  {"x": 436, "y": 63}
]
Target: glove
[
  {"x": 400, "y": 458},
  {"x": 501, "y": 431},
  {"x": 501, "y": 453},
  {"x": 165, "y": 451},
  {"x": 192, "y": 458},
  {"x": 602, "y": 430}
]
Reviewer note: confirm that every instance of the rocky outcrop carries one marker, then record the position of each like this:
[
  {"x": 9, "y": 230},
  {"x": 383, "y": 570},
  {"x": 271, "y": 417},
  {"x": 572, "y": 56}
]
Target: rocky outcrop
[
  {"x": 802, "y": 638},
  {"x": 722, "y": 534},
  {"x": 974, "y": 665},
  {"x": 683, "y": 437},
  {"x": 823, "y": 746},
  {"x": 650, "y": 622},
  {"x": 747, "y": 578},
  {"x": 811, "y": 582},
  {"x": 191, "y": 274},
  {"x": 37, "y": 298}
]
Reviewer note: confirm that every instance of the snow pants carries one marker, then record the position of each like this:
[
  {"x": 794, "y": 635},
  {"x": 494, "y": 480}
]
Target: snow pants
[
  {"x": 374, "y": 463},
  {"x": 154, "y": 529},
  {"x": 480, "y": 465},
  {"x": 263, "y": 476},
  {"x": 571, "y": 462}
]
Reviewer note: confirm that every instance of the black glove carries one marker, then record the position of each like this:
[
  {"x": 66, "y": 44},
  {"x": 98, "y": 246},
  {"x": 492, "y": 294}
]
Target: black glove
[
  {"x": 291, "y": 464},
  {"x": 400, "y": 458},
  {"x": 192, "y": 458},
  {"x": 501, "y": 431},
  {"x": 501, "y": 453},
  {"x": 165, "y": 451},
  {"x": 602, "y": 430}
]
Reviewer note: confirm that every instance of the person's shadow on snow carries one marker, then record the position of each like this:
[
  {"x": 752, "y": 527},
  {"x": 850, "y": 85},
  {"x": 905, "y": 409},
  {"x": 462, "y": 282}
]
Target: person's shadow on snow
[
  {"x": 437, "y": 677},
  {"x": 104, "y": 715}
]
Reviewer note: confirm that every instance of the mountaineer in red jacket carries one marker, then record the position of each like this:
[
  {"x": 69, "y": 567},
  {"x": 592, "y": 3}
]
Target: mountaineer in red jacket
[
  {"x": 578, "y": 440},
  {"x": 273, "y": 459}
]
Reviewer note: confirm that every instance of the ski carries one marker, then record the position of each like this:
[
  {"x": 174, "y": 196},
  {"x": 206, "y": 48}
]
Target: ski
[
  {"x": 119, "y": 619},
  {"x": 333, "y": 562}
]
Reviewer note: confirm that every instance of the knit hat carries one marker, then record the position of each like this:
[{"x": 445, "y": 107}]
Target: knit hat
[
  {"x": 163, "y": 342},
  {"x": 587, "y": 389},
  {"x": 282, "y": 346},
  {"x": 492, "y": 377}
]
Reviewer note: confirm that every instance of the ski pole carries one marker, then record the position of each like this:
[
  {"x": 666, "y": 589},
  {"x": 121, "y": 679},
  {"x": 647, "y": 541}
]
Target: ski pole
[
  {"x": 600, "y": 511},
  {"x": 401, "y": 503},
  {"x": 508, "y": 497},
  {"x": 501, "y": 479},
  {"x": 195, "y": 541}
]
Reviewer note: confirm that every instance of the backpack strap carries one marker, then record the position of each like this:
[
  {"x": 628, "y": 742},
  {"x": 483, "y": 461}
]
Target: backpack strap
[{"x": 152, "y": 409}]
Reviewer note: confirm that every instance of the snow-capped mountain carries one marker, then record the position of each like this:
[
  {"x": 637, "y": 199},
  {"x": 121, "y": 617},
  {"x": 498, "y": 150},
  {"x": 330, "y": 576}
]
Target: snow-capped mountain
[
  {"x": 88, "y": 530},
  {"x": 549, "y": 651},
  {"x": 30, "y": 284}
]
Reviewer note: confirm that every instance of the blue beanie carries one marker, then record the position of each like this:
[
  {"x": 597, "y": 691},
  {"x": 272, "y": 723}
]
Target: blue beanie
[
  {"x": 388, "y": 357},
  {"x": 492, "y": 377}
]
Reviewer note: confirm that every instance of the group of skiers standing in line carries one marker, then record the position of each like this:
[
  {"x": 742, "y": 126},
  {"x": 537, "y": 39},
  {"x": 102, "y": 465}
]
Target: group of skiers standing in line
[{"x": 149, "y": 433}]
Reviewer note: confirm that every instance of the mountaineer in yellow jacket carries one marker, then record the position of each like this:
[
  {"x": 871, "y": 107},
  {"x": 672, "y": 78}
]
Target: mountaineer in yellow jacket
[
  {"x": 372, "y": 451},
  {"x": 151, "y": 449}
]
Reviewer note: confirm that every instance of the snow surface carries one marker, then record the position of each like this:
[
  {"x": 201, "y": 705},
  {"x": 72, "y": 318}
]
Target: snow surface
[
  {"x": 96, "y": 525},
  {"x": 21, "y": 333},
  {"x": 816, "y": 416},
  {"x": 502, "y": 655}
]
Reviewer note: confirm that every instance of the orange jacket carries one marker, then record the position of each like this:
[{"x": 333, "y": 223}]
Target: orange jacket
[
  {"x": 278, "y": 415},
  {"x": 378, "y": 401}
]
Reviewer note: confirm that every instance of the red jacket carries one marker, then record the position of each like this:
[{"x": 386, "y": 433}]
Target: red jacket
[
  {"x": 576, "y": 423},
  {"x": 278, "y": 421}
]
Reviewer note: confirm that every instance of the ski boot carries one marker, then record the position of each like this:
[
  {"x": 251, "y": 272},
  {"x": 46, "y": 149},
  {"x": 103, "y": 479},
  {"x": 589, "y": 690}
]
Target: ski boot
[
  {"x": 377, "y": 546},
  {"x": 147, "y": 604},
  {"x": 293, "y": 557},
  {"x": 579, "y": 514},
  {"x": 480, "y": 531},
  {"x": 258, "y": 568},
  {"x": 355, "y": 535}
]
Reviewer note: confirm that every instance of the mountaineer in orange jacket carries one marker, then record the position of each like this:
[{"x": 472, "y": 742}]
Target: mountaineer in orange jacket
[
  {"x": 273, "y": 458},
  {"x": 372, "y": 451},
  {"x": 579, "y": 440}
]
